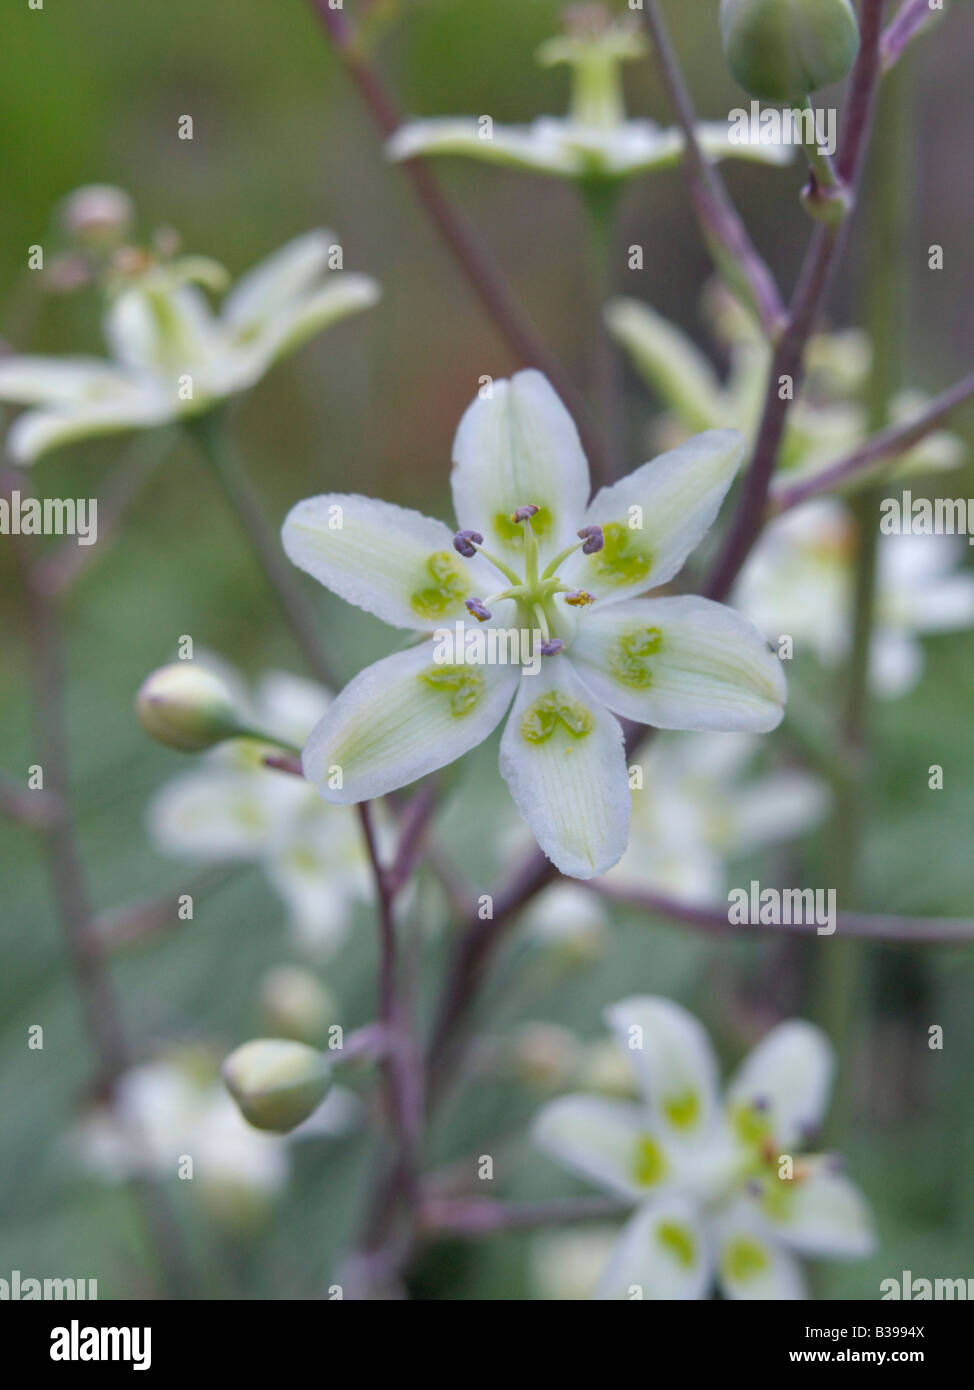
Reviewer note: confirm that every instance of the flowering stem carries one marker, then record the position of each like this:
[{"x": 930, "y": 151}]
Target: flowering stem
[
  {"x": 209, "y": 432},
  {"x": 471, "y": 255},
  {"x": 912, "y": 19},
  {"x": 601, "y": 198},
  {"x": 723, "y": 228}
]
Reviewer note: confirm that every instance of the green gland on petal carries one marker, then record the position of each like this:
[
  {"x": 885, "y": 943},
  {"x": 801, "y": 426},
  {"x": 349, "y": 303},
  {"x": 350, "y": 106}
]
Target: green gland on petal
[
  {"x": 678, "y": 1241},
  {"x": 630, "y": 657},
  {"x": 743, "y": 1259},
  {"x": 187, "y": 708},
  {"x": 446, "y": 585},
  {"x": 510, "y": 530},
  {"x": 622, "y": 559},
  {"x": 780, "y": 50},
  {"x": 276, "y": 1083},
  {"x": 553, "y": 711},
  {"x": 648, "y": 1162},
  {"x": 463, "y": 686},
  {"x": 682, "y": 1111}
]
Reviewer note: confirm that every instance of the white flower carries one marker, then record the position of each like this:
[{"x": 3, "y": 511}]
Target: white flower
[
  {"x": 171, "y": 356},
  {"x": 798, "y": 581},
  {"x": 232, "y": 807},
  {"x": 720, "y": 1191},
  {"x": 698, "y": 808},
  {"x": 571, "y": 573},
  {"x": 565, "y": 1265},
  {"x": 595, "y": 141},
  {"x": 825, "y": 423}
]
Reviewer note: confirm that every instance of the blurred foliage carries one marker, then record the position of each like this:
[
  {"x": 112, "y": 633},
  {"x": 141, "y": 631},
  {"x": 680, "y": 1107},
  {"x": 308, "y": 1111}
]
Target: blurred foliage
[{"x": 93, "y": 92}]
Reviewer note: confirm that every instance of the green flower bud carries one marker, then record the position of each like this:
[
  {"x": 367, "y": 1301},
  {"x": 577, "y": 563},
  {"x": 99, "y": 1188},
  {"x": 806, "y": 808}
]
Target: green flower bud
[
  {"x": 187, "y": 707},
  {"x": 276, "y": 1083},
  {"x": 295, "y": 1004},
  {"x": 780, "y": 50}
]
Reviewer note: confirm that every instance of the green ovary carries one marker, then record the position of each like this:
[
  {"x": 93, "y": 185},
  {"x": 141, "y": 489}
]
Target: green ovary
[
  {"x": 678, "y": 1241},
  {"x": 448, "y": 588},
  {"x": 622, "y": 560},
  {"x": 464, "y": 687},
  {"x": 629, "y": 658},
  {"x": 544, "y": 716},
  {"x": 648, "y": 1164},
  {"x": 743, "y": 1259},
  {"x": 682, "y": 1111},
  {"x": 509, "y": 530}
]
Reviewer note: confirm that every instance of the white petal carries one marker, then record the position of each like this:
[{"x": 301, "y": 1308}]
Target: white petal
[
  {"x": 286, "y": 330},
  {"x": 670, "y": 362},
  {"x": 401, "y": 718},
  {"x": 562, "y": 756},
  {"x": 654, "y": 517},
  {"x": 819, "y": 1212},
  {"x": 750, "y": 1264},
  {"x": 662, "y": 1253},
  {"x": 607, "y": 1141},
  {"x": 222, "y": 812},
  {"x": 780, "y": 806},
  {"x": 789, "y": 1075},
  {"x": 681, "y": 663},
  {"x": 163, "y": 330},
  {"x": 389, "y": 560},
  {"x": 537, "y": 146},
  {"x": 288, "y": 707},
  {"x": 518, "y": 447},
  {"x": 36, "y": 432},
  {"x": 316, "y": 868},
  {"x": 714, "y": 139},
  {"x": 287, "y": 273},
  {"x": 672, "y": 1056},
  {"x": 58, "y": 380}
]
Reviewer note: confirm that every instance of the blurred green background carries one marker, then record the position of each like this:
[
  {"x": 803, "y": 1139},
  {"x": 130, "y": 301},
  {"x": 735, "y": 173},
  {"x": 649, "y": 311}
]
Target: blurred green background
[{"x": 93, "y": 93}]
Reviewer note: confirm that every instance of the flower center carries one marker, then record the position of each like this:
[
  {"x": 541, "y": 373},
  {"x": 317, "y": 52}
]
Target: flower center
[{"x": 533, "y": 590}]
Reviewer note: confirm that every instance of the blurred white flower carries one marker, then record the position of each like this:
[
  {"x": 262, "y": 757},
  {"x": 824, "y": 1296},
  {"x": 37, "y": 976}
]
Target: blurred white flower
[
  {"x": 699, "y": 808},
  {"x": 232, "y": 807},
  {"x": 825, "y": 423},
  {"x": 595, "y": 140},
  {"x": 171, "y": 357},
  {"x": 798, "y": 581},
  {"x": 569, "y": 921},
  {"x": 721, "y": 1193},
  {"x": 565, "y": 1265}
]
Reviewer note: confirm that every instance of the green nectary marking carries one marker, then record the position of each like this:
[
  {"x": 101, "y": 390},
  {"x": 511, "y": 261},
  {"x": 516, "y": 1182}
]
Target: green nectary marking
[
  {"x": 678, "y": 1241},
  {"x": 682, "y": 1111},
  {"x": 777, "y": 1198},
  {"x": 509, "y": 530},
  {"x": 629, "y": 657},
  {"x": 450, "y": 585},
  {"x": 750, "y": 1124},
  {"x": 463, "y": 684},
  {"x": 649, "y": 1162},
  {"x": 622, "y": 560},
  {"x": 544, "y": 715},
  {"x": 743, "y": 1259}
]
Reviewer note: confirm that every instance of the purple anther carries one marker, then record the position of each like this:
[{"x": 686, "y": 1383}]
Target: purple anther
[
  {"x": 579, "y": 598},
  {"x": 464, "y": 542},
  {"x": 552, "y": 647},
  {"x": 525, "y": 513},
  {"x": 760, "y": 1103},
  {"x": 593, "y": 538},
  {"x": 474, "y": 606}
]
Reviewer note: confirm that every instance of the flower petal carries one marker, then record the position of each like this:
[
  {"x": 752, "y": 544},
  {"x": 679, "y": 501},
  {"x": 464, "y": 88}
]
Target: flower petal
[
  {"x": 662, "y": 1253},
  {"x": 537, "y": 146},
  {"x": 563, "y": 759},
  {"x": 671, "y": 1054},
  {"x": 789, "y": 1076},
  {"x": 681, "y": 663},
  {"x": 389, "y": 560},
  {"x": 607, "y": 1141},
  {"x": 715, "y": 140},
  {"x": 163, "y": 330},
  {"x": 401, "y": 718},
  {"x": 750, "y": 1264},
  {"x": 37, "y": 432},
  {"x": 516, "y": 447},
  {"x": 286, "y": 274},
  {"x": 222, "y": 812},
  {"x": 58, "y": 380},
  {"x": 670, "y": 362},
  {"x": 654, "y": 517},
  {"x": 819, "y": 1211},
  {"x": 344, "y": 294}
]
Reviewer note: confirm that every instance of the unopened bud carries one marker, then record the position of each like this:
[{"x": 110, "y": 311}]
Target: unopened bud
[
  {"x": 781, "y": 50},
  {"x": 188, "y": 708},
  {"x": 276, "y": 1083},
  {"x": 97, "y": 215}
]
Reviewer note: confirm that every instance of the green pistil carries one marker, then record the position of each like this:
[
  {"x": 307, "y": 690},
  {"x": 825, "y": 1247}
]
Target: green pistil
[
  {"x": 464, "y": 685},
  {"x": 548, "y": 712},
  {"x": 450, "y": 586}
]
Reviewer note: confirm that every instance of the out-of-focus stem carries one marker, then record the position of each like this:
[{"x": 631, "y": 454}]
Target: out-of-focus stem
[
  {"x": 601, "y": 200},
  {"x": 210, "y": 433}
]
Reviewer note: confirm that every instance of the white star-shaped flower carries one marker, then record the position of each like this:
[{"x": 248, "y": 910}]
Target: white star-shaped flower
[{"x": 570, "y": 572}]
